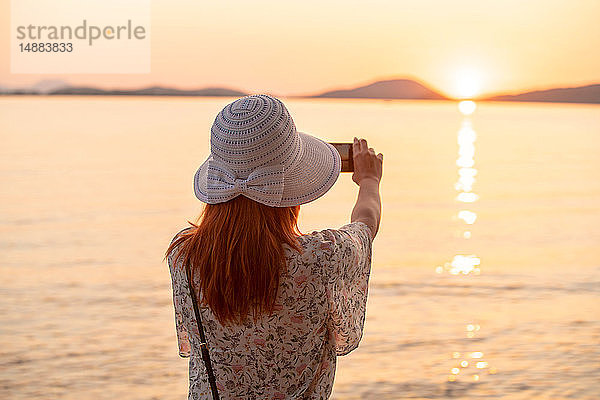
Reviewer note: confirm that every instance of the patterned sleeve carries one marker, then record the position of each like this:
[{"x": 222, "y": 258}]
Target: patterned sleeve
[
  {"x": 347, "y": 279},
  {"x": 180, "y": 298}
]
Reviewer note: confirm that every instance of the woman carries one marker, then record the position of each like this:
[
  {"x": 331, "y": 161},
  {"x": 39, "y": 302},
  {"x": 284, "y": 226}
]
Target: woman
[{"x": 276, "y": 306}]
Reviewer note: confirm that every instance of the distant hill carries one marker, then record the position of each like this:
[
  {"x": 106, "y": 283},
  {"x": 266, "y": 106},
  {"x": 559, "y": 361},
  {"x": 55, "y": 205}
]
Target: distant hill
[
  {"x": 151, "y": 91},
  {"x": 41, "y": 87},
  {"x": 388, "y": 89},
  {"x": 385, "y": 89},
  {"x": 48, "y": 85},
  {"x": 79, "y": 90},
  {"x": 581, "y": 94}
]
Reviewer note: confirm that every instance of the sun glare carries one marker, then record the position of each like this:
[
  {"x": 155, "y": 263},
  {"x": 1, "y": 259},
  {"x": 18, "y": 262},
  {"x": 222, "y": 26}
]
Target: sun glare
[{"x": 467, "y": 83}]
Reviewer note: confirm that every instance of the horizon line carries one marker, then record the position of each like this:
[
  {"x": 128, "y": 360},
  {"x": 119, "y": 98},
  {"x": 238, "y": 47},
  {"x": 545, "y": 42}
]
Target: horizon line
[{"x": 363, "y": 83}]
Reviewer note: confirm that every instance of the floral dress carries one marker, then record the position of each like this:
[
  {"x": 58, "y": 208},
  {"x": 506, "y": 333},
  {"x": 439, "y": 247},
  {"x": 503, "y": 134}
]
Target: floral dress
[{"x": 291, "y": 353}]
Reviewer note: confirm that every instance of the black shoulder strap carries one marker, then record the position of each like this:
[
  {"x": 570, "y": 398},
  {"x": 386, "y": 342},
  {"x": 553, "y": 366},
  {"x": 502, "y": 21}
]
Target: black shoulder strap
[{"x": 211, "y": 375}]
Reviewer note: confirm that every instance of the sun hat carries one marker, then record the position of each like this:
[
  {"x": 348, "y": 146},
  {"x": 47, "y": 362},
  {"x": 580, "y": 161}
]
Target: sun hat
[{"x": 256, "y": 151}]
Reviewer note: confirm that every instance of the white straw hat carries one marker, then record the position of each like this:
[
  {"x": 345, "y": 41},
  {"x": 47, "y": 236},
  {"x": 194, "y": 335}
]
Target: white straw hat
[{"x": 255, "y": 151}]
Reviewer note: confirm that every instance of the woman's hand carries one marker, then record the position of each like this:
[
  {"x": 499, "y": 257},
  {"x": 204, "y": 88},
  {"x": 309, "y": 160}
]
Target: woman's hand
[
  {"x": 367, "y": 165},
  {"x": 368, "y": 168}
]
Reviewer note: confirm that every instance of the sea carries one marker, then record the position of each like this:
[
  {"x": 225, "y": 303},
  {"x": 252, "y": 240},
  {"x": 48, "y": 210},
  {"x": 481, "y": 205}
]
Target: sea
[{"x": 485, "y": 280}]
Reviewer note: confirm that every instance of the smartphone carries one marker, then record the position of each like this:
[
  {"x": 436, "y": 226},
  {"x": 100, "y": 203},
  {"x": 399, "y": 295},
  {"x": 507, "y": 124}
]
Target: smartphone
[{"x": 345, "y": 150}]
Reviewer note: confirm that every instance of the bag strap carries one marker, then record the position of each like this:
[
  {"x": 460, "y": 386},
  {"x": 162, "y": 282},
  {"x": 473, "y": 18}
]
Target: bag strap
[{"x": 203, "y": 347}]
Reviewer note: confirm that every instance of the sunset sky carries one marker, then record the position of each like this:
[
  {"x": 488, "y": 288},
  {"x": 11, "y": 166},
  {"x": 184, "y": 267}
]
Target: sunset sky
[{"x": 303, "y": 47}]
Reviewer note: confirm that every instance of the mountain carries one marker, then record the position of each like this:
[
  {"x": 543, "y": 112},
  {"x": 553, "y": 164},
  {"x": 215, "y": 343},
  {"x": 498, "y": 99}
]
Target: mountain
[
  {"x": 60, "y": 88},
  {"x": 150, "y": 91},
  {"x": 41, "y": 87},
  {"x": 5, "y": 89},
  {"x": 581, "y": 94},
  {"x": 388, "y": 89},
  {"x": 162, "y": 91},
  {"x": 79, "y": 90},
  {"x": 385, "y": 89},
  {"x": 49, "y": 85}
]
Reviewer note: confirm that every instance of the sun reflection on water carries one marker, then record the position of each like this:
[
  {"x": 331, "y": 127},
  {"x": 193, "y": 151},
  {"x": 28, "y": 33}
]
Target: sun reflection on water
[
  {"x": 468, "y": 216},
  {"x": 465, "y": 263},
  {"x": 466, "y": 145},
  {"x": 466, "y": 365},
  {"x": 466, "y": 180},
  {"x": 467, "y": 197},
  {"x": 467, "y": 107},
  {"x": 469, "y": 365}
]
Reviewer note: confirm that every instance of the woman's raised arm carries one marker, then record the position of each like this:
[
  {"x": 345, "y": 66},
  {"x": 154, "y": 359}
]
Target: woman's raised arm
[{"x": 368, "y": 169}]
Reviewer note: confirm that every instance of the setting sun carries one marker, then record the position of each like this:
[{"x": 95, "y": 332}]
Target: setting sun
[{"x": 467, "y": 83}]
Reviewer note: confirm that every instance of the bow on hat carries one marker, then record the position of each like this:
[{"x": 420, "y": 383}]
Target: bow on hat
[{"x": 264, "y": 184}]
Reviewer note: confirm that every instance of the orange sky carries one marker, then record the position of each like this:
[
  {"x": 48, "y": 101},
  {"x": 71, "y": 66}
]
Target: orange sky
[{"x": 299, "y": 47}]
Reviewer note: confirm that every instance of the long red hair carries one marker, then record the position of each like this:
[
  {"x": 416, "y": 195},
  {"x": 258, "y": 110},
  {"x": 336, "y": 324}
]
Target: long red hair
[{"x": 237, "y": 251}]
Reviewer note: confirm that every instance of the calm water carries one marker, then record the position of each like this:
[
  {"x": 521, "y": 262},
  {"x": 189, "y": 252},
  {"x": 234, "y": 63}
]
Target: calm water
[{"x": 486, "y": 274}]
